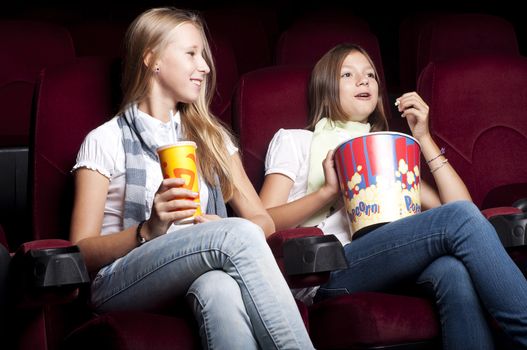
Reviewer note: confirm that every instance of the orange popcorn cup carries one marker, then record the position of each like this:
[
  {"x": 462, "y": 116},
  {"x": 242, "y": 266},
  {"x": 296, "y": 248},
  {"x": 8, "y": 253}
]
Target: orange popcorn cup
[{"x": 178, "y": 160}]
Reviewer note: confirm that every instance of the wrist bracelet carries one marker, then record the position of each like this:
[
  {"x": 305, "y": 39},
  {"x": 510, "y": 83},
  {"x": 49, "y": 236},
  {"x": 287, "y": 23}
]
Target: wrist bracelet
[
  {"x": 439, "y": 166},
  {"x": 140, "y": 238},
  {"x": 441, "y": 152}
]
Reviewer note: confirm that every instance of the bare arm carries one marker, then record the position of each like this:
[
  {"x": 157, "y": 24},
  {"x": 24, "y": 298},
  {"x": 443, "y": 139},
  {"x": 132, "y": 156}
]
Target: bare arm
[
  {"x": 275, "y": 192},
  {"x": 449, "y": 184},
  {"x": 91, "y": 189},
  {"x": 245, "y": 201}
]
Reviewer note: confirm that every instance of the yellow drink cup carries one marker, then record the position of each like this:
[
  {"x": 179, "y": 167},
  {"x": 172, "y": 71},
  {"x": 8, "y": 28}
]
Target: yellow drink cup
[{"x": 178, "y": 160}]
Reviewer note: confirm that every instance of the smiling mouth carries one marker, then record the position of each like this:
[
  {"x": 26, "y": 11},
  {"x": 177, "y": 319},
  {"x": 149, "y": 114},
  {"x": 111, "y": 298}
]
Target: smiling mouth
[{"x": 195, "y": 81}]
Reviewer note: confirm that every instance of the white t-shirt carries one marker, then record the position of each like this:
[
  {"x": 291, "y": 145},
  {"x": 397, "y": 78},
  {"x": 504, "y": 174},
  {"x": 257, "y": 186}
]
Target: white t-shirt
[
  {"x": 103, "y": 151},
  {"x": 288, "y": 154}
]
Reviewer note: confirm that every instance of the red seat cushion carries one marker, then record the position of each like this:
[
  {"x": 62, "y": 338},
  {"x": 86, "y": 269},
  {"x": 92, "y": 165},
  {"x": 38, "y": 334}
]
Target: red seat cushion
[
  {"x": 372, "y": 319},
  {"x": 135, "y": 330}
]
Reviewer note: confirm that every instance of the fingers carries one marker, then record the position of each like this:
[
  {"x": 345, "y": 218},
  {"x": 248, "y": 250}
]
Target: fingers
[
  {"x": 170, "y": 183},
  {"x": 173, "y": 188},
  {"x": 330, "y": 154},
  {"x": 328, "y": 163},
  {"x": 172, "y": 202},
  {"x": 411, "y": 102}
]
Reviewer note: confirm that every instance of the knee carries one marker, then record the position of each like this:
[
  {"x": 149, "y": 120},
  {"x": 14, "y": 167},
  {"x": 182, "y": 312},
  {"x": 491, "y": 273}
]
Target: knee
[
  {"x": 467, "y": 214},
  {"x": 450, "y": 278},
  {"x": 214, "y": 288},
  {"x": 451, "y": 269},
  {"x": 245, "y": 232},
  {"x": 464, "y": 209}
]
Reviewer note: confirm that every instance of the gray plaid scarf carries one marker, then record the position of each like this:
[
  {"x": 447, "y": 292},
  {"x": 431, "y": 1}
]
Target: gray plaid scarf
[{"x": 138, "y": 144}]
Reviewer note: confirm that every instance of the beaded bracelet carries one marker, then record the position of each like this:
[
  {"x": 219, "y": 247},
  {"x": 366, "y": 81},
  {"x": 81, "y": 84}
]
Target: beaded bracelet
[
  {"x": 439, "y": 166},
  {"x": 441, "y": 153}
]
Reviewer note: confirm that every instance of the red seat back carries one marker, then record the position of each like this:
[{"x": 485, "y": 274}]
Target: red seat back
[
  {"x": 457, "y": 35},
  {"x": 266, "y": 100},
  {"x": 250, "y": 32},
  {"x": 226, "y": 77},
  {"x": 478, "y": 111},
  {"x": 72, "y": 99},
  {"x": 410, "y": 28},
  {"x": 98, "y": 37},
  {"x": 27, "y": 47},
  {"x": 310, "y": 37}
]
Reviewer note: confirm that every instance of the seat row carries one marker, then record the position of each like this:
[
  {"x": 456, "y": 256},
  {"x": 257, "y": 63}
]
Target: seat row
[
  {"x": 477, "y": 111},
  {"x": 31, "y": 46},
  {"x": 481, "y": 121}
]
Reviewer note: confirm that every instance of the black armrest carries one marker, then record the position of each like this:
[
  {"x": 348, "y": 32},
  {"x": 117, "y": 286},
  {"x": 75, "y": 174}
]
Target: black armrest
[
  {"x": 44, "y": 272},
  {"x": 511, "y": 228},
  {"x": 313, "y": 254}
]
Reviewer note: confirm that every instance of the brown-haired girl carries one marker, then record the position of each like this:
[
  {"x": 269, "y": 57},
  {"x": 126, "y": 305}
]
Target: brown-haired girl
[{"x": 451, "y": 250}]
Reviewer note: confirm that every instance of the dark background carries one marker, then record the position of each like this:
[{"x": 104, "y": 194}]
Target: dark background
[{"x": 384, "y": 18}]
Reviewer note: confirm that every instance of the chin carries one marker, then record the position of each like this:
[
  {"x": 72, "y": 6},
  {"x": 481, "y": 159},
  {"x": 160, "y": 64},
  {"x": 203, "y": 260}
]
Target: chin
[{"x": 189, "y": 99}]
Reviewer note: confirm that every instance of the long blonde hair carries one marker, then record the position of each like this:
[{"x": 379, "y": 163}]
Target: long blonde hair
[
  {"x": 149, "y": 33},
  {"x": 324, "y": 101}
]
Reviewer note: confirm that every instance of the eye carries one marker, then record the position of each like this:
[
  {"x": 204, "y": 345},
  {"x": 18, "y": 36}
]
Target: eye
[
  {"x": 191, "y": 53},
  {"x": 346, "y": 75},
  {"x": 371, "y": 75}
]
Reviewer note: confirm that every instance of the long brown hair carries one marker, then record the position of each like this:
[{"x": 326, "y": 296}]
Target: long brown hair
[
  {"x": 324, "y": 101},
  {"x": 149, "y": 34}
]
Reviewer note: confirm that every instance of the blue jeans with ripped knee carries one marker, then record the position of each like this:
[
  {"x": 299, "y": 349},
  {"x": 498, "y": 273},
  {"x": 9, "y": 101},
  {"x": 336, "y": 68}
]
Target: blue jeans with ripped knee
[
  {"x": 229, "y": 275},
  {"x": 453, "y": 251}
]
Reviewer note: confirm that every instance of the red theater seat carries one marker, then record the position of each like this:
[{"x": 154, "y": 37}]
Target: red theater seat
[
  {"x": 98, "y": 37},
  {"x": 72, "y": 99},
  {"x": 276, "y": 97},
  {"x": 250, "y": 32},
  {"x": 311, "y": 36},
  {"x": 410, "y": 28},
  {"x": 439, "y": 36},
  {"x": 27, "y": 47},
  {"x": 226, "y": 77},
  {"x": 478, "y": 111}
]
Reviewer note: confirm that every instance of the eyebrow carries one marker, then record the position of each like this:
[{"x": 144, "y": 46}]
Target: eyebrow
[{"x": 350, "y": 66}]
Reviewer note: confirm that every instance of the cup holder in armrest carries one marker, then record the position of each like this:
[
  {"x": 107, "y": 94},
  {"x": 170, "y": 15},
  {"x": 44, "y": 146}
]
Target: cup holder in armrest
[
  {"x": 313, "y": 254},
  {"x": 57, "y": 267},
  {"x": 50, "y": 275},
  {"x": 511, "y": 229}
]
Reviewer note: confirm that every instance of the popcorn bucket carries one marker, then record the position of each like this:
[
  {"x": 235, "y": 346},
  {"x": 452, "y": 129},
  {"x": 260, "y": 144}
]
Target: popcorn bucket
[{"x": 379, "y": 179}]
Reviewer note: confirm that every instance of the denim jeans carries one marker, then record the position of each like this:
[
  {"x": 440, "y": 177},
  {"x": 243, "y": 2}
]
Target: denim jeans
[
  {"x": 257, "y": 310},
  {"x": 454, "y": 251}
]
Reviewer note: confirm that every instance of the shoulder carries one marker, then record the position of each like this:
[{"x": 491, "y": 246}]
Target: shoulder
[
  {"x": 108, "y": 131},
  {"x": 101, "y": 149},
  {"x": 295, "y": 136}
]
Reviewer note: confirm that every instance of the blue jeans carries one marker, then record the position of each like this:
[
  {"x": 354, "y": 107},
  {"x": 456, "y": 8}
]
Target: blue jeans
[
  {"x": 229, "y": 275},
  {"x": 455, "y": 252}
]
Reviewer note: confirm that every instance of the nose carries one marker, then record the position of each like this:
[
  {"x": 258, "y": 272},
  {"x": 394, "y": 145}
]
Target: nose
[
  {"x": 363, "y": 80},
  {"x": 203, "y": 67}
]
